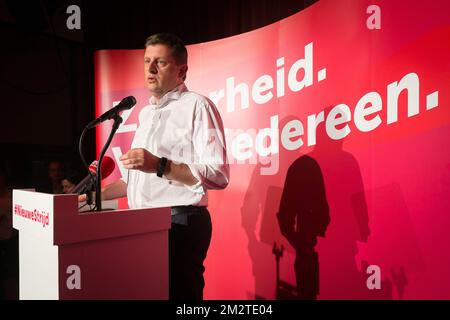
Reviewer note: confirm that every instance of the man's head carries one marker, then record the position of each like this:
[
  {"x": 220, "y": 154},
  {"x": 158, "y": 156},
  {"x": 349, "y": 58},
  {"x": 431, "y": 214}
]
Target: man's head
[{"x": 165, "y": 63}]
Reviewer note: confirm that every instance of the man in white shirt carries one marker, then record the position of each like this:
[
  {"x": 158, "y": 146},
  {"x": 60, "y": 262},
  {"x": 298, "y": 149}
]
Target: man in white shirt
[{"x": 178, "y": 152}]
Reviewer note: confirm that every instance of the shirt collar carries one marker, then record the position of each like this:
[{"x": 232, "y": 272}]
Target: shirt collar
[{"x": 174, "y": 94}]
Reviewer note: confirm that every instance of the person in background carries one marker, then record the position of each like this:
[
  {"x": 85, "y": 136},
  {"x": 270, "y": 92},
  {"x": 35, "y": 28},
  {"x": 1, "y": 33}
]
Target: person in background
[
  {"x": 70, "y": 181},
  {"x": 55, "y": 174}
]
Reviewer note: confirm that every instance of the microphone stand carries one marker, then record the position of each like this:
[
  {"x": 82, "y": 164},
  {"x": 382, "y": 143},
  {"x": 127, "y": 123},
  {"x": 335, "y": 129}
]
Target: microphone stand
[
  {"x": 98, "y": 197},
  {"x": 88, "y": 188}
]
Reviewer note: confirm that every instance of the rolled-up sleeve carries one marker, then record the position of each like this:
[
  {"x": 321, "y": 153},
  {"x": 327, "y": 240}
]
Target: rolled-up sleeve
[{"x": 209, "y": 165}]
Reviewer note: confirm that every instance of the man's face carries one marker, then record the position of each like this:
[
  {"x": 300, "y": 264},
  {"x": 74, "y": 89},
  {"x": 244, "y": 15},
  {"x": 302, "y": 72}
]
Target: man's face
[{"x": 162, "y": 73}]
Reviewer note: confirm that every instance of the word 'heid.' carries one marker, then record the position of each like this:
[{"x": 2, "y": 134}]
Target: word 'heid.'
[{"x": 299, "y": 76}]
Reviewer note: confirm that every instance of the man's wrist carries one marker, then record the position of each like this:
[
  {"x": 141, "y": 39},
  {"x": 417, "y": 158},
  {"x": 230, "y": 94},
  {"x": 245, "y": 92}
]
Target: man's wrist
[{"x": 167, "y": 171}]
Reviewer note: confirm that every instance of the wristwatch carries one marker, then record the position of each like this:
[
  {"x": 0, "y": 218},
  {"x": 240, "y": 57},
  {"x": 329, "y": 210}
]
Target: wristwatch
[{"x": 162, "y": 167}]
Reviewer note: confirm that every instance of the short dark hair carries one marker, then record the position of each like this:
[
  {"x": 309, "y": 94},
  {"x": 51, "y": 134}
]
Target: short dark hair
[
  {"x": 74, "y": 177},
  {"x": 177, "y": 46}
]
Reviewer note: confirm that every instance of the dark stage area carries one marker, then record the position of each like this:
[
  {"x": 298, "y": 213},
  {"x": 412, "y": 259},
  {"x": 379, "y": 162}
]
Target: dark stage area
[{"x": 47, "y": 70}]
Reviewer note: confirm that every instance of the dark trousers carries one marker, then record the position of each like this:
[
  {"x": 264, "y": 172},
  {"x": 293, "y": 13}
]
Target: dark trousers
[
  {"x": 307, "y": 274},
  {"x": 188, "y": 246}
]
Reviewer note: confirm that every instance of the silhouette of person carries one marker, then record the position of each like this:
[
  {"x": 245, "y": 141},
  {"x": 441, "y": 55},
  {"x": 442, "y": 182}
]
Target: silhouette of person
[
  {"x": 259, "y": 221},
  {"x": 303, "y": 216},
  {"x": 55, "y": 175},
  {"x": 349, "y": 219}
]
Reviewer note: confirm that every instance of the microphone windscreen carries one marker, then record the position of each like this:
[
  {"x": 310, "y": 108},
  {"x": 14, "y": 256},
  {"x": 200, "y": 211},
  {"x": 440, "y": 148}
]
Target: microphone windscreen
[{"x": 108, "y": 166}]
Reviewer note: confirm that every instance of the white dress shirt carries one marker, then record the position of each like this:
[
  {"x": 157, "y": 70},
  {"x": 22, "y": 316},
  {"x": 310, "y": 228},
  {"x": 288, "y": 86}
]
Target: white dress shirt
[{"x": 184, "y": 127}]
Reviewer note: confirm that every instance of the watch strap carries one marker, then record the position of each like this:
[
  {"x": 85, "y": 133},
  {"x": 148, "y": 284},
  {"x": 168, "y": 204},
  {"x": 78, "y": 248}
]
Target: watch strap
[{"x": 161, "y": 167}]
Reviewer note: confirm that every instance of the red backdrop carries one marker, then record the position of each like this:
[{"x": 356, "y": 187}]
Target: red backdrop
[{"x": 386, "y": 173}]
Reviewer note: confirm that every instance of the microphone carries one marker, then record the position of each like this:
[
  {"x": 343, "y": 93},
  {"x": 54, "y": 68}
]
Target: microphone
[
  {"x": 107, "y": 168},
  {"x": 125, "y": 104}
]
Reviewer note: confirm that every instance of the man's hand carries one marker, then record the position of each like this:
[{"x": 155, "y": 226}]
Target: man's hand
[
  {"x": 143, "y": 160},
  {"x": 140, "y": 159}
]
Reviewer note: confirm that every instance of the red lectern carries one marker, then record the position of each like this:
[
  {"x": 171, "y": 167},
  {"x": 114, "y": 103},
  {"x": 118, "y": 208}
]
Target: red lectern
[{"x": 67, "y": 254}]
